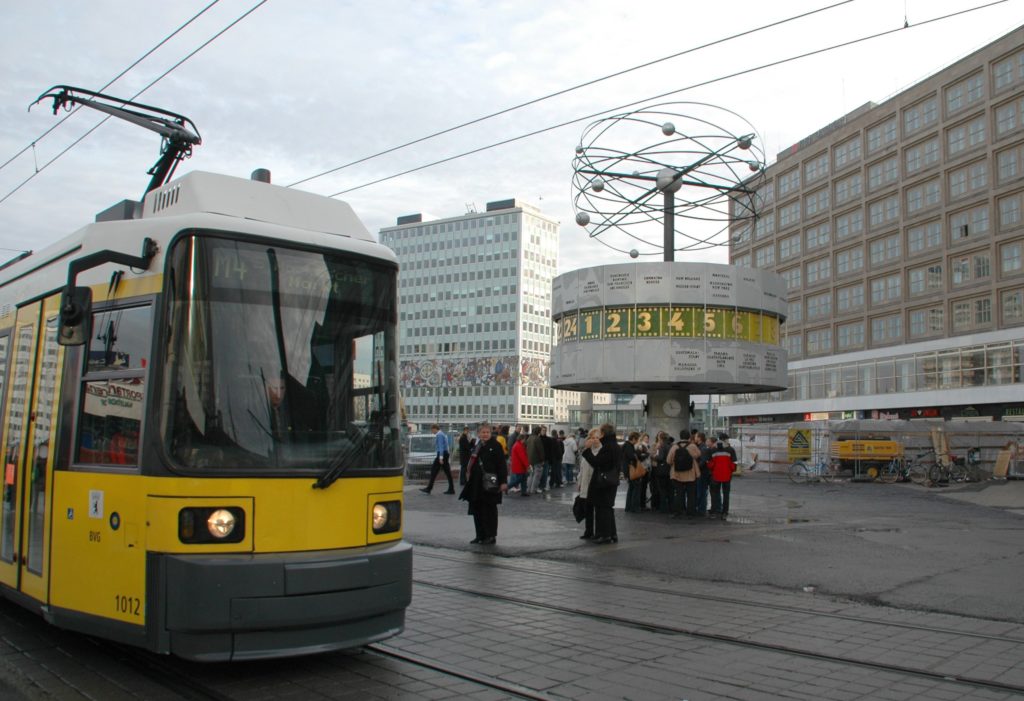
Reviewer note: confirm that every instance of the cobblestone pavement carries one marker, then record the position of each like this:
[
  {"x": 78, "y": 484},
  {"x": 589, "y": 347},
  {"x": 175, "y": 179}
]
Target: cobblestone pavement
[{"x": 851, "y": 592}]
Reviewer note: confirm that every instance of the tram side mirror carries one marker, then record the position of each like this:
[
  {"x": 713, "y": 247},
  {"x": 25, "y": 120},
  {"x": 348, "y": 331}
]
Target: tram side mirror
[{"x": 75, "y": 312}]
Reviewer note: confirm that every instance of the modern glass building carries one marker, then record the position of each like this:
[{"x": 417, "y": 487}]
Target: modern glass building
[
  {"x": 475, "y": 315},
  {"x": 899, "y": 231}
]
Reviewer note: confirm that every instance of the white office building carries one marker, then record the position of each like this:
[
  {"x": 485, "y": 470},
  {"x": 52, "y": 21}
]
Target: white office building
[{"x": 475, "y": 315}]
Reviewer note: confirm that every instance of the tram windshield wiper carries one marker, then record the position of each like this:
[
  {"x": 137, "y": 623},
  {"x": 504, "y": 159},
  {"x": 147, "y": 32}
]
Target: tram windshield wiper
[{"x": 335, "y": 469}]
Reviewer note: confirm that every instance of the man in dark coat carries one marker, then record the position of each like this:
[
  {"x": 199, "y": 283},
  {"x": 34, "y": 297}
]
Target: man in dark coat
[
  {"x": 483, "y": 504},
  {"x": 465, "y": 449}
]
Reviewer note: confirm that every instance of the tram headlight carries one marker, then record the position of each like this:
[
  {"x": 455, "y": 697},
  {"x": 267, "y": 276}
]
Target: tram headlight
[
  {"x": 386, "y": 517},
  {"x": 221, "y": 523},
  {"x": 211, "y": 524}
]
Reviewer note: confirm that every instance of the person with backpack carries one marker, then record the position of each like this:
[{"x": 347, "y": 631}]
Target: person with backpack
[
  {"x": 722, "y": 464},
  {"x": 684, "y": 457}
]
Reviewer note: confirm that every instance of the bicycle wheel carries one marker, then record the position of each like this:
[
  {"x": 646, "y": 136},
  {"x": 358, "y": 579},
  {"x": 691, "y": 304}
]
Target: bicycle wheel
[
  {"x": 891, "y": 472},
  {"x": 827, "y": 472},
  {"x": 936, "y": 475},
  {"x": 918, "y": 472},
  {"x": 798, "y": 472}
]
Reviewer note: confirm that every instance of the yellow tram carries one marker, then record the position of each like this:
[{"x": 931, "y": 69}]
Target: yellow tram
[{"x": 201, "y": 442}]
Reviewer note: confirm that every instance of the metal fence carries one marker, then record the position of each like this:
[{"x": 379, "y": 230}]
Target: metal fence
[{"x": 998, "y": 445}]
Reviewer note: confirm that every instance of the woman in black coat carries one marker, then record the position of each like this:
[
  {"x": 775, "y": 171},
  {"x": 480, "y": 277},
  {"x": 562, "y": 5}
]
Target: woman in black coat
[
  {"x": 483, "y": 505},
  {"x": 607, "y": 460}
]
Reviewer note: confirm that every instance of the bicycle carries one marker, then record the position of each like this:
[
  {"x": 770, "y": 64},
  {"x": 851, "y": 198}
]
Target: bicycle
[
  {"x": 825, "y": 470},
  {"x": 916, "y": 469},
  {"x": 955, "y": 470}
]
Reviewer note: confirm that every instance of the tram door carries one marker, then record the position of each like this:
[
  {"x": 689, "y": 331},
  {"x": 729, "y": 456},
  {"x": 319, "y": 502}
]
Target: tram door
[{"x": 34, "y": 360}]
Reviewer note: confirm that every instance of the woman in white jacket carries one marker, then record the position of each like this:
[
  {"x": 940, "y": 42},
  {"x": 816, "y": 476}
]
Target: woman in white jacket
[{"x": 593, "y": 442}]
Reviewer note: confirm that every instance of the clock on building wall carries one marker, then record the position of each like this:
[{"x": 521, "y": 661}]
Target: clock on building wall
[{"x": 672, "y": 408}]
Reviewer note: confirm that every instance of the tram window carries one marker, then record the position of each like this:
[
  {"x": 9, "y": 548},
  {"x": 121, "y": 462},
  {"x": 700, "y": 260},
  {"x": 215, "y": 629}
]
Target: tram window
[{"x": 114, "y": 387}]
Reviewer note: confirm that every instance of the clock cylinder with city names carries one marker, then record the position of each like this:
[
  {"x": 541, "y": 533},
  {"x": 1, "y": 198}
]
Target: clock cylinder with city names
[{"x": 699, "y": 327}]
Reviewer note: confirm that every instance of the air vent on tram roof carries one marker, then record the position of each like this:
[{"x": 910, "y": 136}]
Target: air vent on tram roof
[{"x": 259, "y": 201}]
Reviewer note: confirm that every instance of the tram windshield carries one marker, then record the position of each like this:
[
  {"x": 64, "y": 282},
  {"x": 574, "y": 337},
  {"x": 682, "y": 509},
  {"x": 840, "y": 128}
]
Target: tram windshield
[{"x": 279, "y": 360}]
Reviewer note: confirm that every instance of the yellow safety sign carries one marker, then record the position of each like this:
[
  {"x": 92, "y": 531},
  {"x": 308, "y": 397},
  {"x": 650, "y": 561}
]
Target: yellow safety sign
[{"x": 799, "y": 443}]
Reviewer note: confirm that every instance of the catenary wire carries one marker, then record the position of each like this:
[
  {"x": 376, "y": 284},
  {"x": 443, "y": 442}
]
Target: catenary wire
[
  {"x": 665, "y": 94},
  {"x": 113, "y": 80},
  {"x": 565, "y": 91},
  {"x": 151, "y": 84}
]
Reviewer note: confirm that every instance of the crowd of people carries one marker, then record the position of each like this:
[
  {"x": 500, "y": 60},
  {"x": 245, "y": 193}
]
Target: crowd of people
[{"x": 672, "y": 476}]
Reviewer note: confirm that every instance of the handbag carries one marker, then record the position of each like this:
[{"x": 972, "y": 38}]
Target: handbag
[
  {"x": 606, "y": 478},
  {"x": 491, "y": 485},
  {"x": 579, "y": 509},
  {"x": 637, "y": 471}
]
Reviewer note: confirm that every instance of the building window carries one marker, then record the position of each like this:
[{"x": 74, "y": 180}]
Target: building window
[
  {"x": 1013, "y": 306},
  {"x": 886, "y": 329},
  {"x": 819, "y": 306},
  {"x": 926, "y": 279},
  {"x": 921, "y": 115},
  {"x": 885, "y": 250},
  {"x": 789, "y": 247},
  {"x": 882, "y": 135},
  {"x": 850, "y": 335},
  {"x": 818, "y": 271},
  {"x": 791, "y": 278},
  {"x": 849, "y": 224},
  {"x": 1010, "y": 260},
  {"x": 972, "y": 314},
  {"x": 816, "y": 168},
  {"x": 884, "y": 211},
  {"x": 968, "y": 269},
  {"x": 886, "y": 289},
  {"x": 765, "y": 195},
  {"x": 846, "y": 153},
  {"x": 971, "y": 223},
  {"x": 764, "y": 257},
  {"x": 1010, "y": 211},
  {"x": 1005, "y": 73},
  {"x": 794, "y": 345},
  {"x": 789, "y": 215},
  {"x": 789, "y": 182},
  {"x": 926, "y": 322},
  {"x": 794, "y": 312},
  {"x": 923, "y": 196},
  {"x": 848, "y": 188},
  {"x": 764, "y": 226},
  {"x": 819, "y": 341},
  {"x": 818, "y": 236},
  {"x": 816, "y": 203},
  {"x": 883, "y": 173},
  {"x": 850, "y": 298},
  {"x": 1008, "y": 163},
  {"x": 1008, "y": 116},
  {"x": 850, "y": 260},
  {"x": 742, "y": 261}
]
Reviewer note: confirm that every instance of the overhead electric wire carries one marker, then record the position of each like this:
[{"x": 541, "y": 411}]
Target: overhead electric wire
[
  {"x": 564, "y": 91},
  {"x": 710, "y": 81},
  {"x": 113, "y": 80},
  {"x": 151, "y": 84}
]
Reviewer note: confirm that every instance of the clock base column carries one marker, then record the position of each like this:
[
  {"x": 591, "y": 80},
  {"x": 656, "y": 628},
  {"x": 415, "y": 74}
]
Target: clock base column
[{"x": 668, "y": 411}]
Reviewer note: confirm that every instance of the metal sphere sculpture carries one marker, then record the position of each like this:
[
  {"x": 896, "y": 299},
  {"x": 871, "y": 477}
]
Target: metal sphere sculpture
[{"x": 698, "y": 175}]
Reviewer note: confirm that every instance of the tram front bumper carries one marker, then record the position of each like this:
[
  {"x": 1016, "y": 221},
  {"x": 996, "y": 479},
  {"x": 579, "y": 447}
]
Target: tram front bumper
[{"x": 231, "y": 607}]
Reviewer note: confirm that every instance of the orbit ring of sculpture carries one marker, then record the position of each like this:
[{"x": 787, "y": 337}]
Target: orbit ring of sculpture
[{"x": 708, "y": 176}]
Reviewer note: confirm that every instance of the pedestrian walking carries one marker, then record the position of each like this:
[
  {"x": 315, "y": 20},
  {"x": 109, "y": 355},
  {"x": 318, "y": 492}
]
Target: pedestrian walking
[
  {"x": 440, "y": 461},
  {"x": 569, "y": 455},
  {"x": 535, "y": 454},
  {"x": 520, "y": 467}
]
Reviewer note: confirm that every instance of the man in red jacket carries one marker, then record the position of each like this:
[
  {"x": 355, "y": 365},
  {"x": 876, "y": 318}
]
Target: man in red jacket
[{"x": 722, "y": 464}]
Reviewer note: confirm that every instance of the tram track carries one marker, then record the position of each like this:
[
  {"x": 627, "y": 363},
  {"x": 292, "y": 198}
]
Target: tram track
[
  {"x": 731, "y": 640},
  {"x": 739, "y": 602},
  {"x": 512, "y": 690}
]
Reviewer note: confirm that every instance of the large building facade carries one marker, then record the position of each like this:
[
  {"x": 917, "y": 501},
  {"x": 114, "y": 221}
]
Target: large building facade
[
  {"x": 475, "y": 315},
  {"x": 899, "y": 232}
]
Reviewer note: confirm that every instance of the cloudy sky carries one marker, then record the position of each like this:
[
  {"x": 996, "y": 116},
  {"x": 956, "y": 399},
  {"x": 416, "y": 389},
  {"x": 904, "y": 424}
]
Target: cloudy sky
[{"x": 304, "y": 86}]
